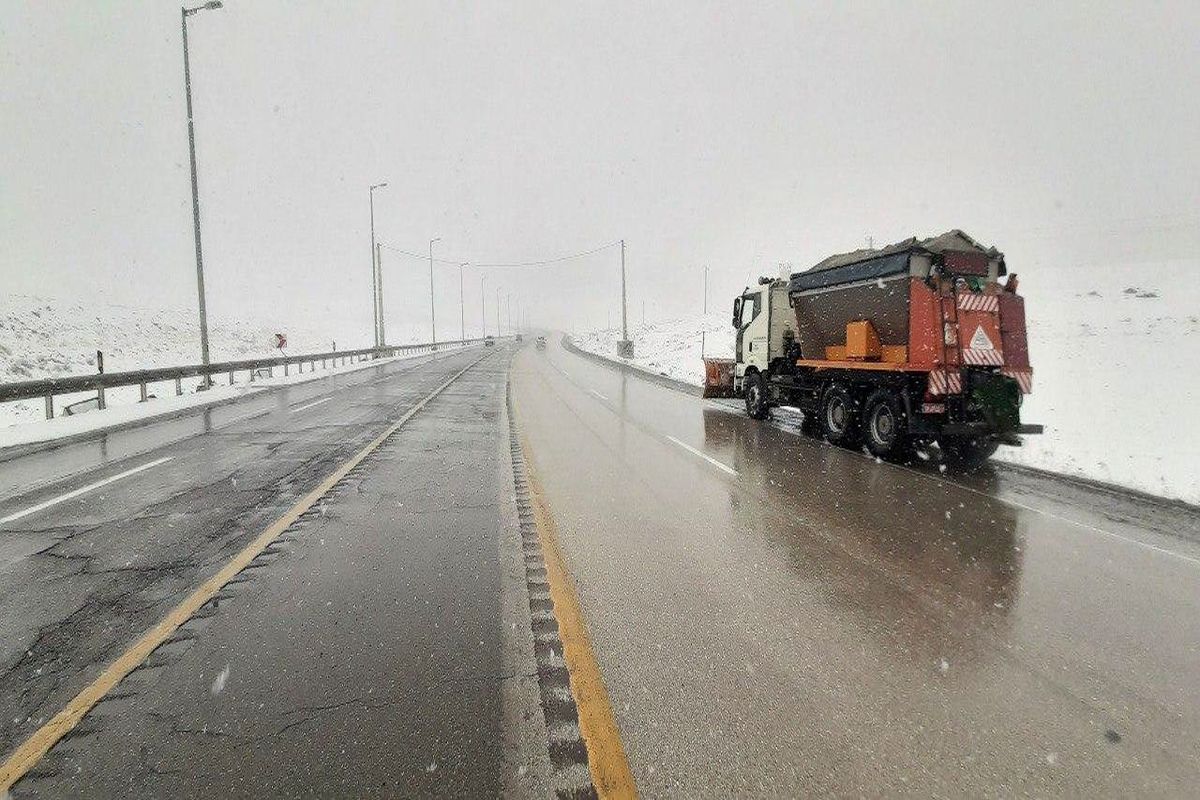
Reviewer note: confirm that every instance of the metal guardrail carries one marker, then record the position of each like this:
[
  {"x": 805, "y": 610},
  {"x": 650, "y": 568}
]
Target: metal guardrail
[{"x": 48, "y": 388}]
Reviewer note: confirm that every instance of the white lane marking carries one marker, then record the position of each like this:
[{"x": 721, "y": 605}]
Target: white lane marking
[
  {"x": 83, "y": 490},
  {"x": 602, "y": 397},
  {"x": 309, "y": 405},
  {"x": 707, "y": 458}
]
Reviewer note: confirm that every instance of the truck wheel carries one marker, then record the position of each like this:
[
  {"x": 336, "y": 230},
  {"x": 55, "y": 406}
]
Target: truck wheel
[
  {"x": 885, "y": 425},
  {"x": 756, "y": 396},
  {"x": 967, "y": 452},
  {"x": 839, "y": 415}
]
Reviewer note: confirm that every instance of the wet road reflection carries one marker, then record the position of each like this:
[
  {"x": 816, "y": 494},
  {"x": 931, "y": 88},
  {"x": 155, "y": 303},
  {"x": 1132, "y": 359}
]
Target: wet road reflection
[{"x": 820, "y": 623}]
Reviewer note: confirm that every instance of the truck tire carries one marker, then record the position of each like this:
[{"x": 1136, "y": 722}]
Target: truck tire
[
  {"x": 967, "y": 453},
  {"x": 756, "y": 396},
  {"x": 885, "y": 425},
  {"x": 839, "y": 415}
]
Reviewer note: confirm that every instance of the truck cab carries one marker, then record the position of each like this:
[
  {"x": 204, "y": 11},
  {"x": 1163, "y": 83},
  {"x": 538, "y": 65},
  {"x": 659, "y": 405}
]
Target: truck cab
[{"x": 761, "y": 315}]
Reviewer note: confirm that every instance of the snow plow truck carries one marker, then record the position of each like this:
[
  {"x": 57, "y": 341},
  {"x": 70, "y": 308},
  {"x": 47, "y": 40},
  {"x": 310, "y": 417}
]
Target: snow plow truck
[{"x": 910, "y": 344}]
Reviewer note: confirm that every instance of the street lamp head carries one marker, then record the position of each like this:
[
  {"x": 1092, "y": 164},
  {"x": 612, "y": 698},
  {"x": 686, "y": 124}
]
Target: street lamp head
[
  {"x": 375, "y": 186},
  {"x": 438, "y": 239},
  {"x": 213, "y": 5}
]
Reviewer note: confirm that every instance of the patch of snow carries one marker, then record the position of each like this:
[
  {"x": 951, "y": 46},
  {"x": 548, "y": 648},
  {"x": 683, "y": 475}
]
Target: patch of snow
[
  {"x": 218, "y": 684},
  {"x": 43, "y": 337}
]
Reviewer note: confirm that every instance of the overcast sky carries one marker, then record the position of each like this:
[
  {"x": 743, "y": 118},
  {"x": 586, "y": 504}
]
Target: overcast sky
[{"x": 738, "y": 135}]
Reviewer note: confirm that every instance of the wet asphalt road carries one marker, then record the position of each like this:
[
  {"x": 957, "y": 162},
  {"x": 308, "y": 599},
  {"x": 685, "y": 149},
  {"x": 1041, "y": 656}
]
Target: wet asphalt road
[
  {"x": 776, "y": 616},
  {"x": 771, "y": 615},
  {"x": 368, "y": 655}
]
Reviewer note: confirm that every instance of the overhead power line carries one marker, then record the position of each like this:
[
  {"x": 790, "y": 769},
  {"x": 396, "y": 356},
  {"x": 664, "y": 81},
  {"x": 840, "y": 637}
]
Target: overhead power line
[{"x": 542, "y": 263}]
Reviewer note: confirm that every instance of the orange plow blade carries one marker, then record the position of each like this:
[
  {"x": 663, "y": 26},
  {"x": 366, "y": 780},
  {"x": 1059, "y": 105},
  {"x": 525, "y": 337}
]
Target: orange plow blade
[{"x": 718, "y": 377}]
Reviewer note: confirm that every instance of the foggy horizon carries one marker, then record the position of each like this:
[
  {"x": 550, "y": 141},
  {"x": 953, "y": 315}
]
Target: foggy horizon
[{"x": 738, "y": 138}]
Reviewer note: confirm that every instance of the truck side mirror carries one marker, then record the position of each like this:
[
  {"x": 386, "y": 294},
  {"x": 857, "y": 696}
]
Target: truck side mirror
[{"x": 737, "y": 311}]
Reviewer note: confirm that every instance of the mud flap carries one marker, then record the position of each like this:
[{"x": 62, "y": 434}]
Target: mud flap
[{"x": 718, "y": 377}]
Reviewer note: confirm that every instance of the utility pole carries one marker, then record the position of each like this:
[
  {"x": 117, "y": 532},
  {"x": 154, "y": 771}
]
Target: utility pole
[
  {"x": 379, "y": 266},
  {"x": 482, "y": 307},
  {"x": 508, "y": 307},
  {"x": 184, "y": 13},
  {"x": 624, "y": 347},
  {"x": 499, "y": 332},
  {"x": 462, "y": 309},
  {"x": 375, "y": 272},
  {"x": 432, "y": 312}
]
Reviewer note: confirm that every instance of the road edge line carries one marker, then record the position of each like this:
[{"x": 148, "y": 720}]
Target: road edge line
[
  {"x": 41, "y": 741},
  {"x": 607, "y": 762}
]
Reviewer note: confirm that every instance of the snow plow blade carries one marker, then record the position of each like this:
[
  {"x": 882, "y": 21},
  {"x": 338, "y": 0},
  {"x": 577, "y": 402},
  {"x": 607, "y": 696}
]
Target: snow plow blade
[{"x": 718, "y": 377}]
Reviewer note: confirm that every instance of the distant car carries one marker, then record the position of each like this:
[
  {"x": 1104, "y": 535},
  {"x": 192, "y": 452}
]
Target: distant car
[
  {"x": 520, "y": 338},
  {"x": 489, "y": 341},
  {"x": 541, "y": 343}
]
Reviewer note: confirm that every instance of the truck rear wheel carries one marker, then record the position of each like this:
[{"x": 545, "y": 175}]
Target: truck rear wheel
[
  {"x": 967, "y": 452},
  {"x": 839, "y": 415},
  {"x": 756, "y": 396},
  {"x": 885, "y": 425}
]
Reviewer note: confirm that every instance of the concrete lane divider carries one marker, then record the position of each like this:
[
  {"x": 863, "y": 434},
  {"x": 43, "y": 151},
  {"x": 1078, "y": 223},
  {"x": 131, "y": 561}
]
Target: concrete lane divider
[
  {"x": 82, "y": 490},
  {"x": 584, "y": 741},
  {"x": 40, "y": 742}
]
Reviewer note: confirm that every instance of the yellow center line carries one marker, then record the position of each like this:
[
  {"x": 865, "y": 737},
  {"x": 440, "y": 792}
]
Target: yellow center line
[
  {"x": 606, "y": 755},
  {"x": 44, "y": 738}
]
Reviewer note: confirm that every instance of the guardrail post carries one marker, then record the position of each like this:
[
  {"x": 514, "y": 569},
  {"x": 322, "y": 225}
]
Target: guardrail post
[
  {"x": 100, "y": 404},
  {"x": 178, "y": 386},
  {"x": 231, "y": 377},
  {"x": 142, "y": 392},
  {"x": 49, "y": 406},
  {"x": 285, "y": 368}
]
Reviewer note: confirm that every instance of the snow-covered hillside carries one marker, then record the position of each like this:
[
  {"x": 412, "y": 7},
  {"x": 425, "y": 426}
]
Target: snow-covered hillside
[
  {"x": 47, "y": 337},
  {"x": 1114, "y": 351}
]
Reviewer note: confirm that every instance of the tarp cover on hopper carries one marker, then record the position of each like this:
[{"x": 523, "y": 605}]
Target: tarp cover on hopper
[{"x": 861, "y": 265}]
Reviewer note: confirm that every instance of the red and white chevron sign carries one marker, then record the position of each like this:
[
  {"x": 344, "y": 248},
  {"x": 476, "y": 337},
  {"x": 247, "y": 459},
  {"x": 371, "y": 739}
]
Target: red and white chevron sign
[
  {"x": 990, "y": 358},
  {"x": 944, "y": 382},
  {"x": 979, "y": 302},
  {"x": 1023, "y": 377}
]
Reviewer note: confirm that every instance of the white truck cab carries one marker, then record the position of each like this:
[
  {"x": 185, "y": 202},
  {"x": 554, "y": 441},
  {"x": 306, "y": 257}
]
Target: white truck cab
[{"x": 761, "y": 315}]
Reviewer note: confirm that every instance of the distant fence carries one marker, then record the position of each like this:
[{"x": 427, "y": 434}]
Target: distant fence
[{"x": 48, "y": 388}]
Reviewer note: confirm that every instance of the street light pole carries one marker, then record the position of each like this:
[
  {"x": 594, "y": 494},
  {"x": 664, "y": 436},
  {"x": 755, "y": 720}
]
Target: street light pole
[
  {"x": 482, "y": 307},
  {"x": 624, "y": 347},
  {"x": 499, "y": 332},
  {"x": 462, "y": 308},
  {"x": 432, "y": 312},
  {"x": 184, "y": 13},
  {"x": 376, "y": 306},
  {"x": 379, "y": 269}
]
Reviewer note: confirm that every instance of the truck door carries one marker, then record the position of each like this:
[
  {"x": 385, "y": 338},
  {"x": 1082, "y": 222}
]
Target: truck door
[{"x": 752, "y": 333}]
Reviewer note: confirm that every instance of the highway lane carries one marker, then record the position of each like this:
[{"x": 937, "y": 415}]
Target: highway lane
[
  {"x": 83, "y": 577},
  {"x": 381, "y": 649},
  {"x": 773, "y": 615},
  {"x": 26, "y": 468}
]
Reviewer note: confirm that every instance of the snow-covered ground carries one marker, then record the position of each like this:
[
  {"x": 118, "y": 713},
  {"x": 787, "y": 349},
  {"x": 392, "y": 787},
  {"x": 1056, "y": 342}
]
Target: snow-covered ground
[
  {"x": 47, "y": 337},
  {"x": 1116, "y": 356}
]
